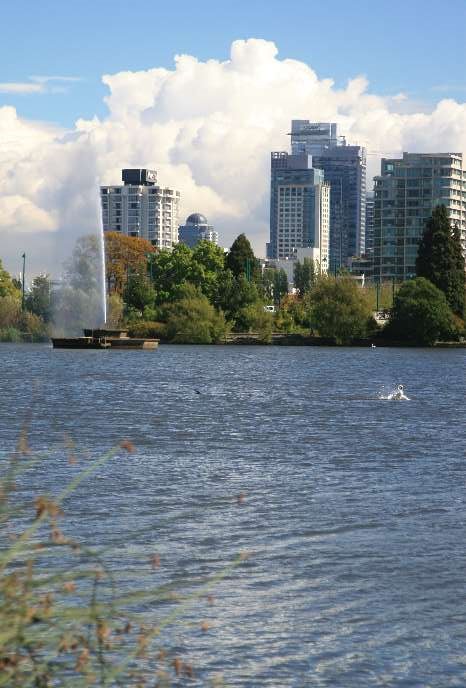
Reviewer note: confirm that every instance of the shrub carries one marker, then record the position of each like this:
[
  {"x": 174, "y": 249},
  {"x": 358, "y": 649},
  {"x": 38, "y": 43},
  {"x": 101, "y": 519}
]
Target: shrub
[
  {"x": 255, "y": 319},
  {"x": 340, "y": 310},
  {"x": 421, "y": 314},
  {"x": 193, "y": 320},
  {"x": 10, "y": 311},
  {"x": 10, "y": 334},
  {"x": 147, "y": 328}
]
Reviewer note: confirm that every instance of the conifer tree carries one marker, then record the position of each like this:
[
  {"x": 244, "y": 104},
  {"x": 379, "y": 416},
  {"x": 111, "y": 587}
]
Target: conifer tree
[
  {"x": 440, "y": 259},
  {"x": 241, "y": 259}
]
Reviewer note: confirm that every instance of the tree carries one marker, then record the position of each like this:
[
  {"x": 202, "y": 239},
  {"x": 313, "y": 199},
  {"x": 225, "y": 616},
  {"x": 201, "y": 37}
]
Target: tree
[
  {"x": 241, "y": 259},
  {"x": 440, "y": 259},
  {"x": 340, "y": 309},
  {"x": 421, "y": 314},
  {"x": 125, "y": 255},
  {"x": 83, "y": 269},
  {"x": 193, "y": 320},
  {"x": 8, "y": 286},
  {"x": 171, "y": 270},
  {"x": 305, "y": 275},
  {"x": 208, "y": 268},
  {"x": 139, "y": 292},
  {"x": 235, "y": 293},
  {"x": 253, "y": 318},
  {"x": 280, "y": 286},
  {"x": 38, "y": 300}
]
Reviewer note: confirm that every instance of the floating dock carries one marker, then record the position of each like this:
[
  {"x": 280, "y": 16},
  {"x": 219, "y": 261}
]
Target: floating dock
[{"x": 104, "y": 339}]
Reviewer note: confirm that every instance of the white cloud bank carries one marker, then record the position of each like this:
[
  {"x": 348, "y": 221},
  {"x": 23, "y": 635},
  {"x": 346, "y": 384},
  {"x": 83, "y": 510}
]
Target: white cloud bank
[{"x": 208, "y": 128}]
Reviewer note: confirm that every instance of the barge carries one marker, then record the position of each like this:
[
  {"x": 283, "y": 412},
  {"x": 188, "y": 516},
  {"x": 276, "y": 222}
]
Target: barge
[{"x": 104, "y": 339}]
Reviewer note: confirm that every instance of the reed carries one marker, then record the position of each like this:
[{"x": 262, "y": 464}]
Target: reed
[{"x": 63, "y": 620}]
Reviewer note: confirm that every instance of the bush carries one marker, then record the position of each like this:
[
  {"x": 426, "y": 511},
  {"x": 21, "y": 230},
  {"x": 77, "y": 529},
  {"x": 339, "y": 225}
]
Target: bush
[
  {"x": 421, "y": 315},
  {"x": 147, "y": 328},
  {"x": 10, "y": 334},
  {"x": 10, "y": 311},
  {"x": 254, "y": 319},
  {"x": 340, "y": 310},
  {"x": 33, "y": 325},
  {"x": 193, "y": 320}
]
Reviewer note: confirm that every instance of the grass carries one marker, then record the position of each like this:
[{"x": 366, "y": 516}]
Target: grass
[{"x": 63, "y": 621}]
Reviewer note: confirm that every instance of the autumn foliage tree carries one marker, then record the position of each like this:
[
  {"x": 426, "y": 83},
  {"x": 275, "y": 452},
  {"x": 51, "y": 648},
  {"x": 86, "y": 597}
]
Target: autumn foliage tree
[{"x": 125, "y": 256}]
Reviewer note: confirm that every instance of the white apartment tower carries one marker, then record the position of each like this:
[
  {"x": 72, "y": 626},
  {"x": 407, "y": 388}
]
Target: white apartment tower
[
  {"x": 299, "y": 209},
  {"x": 141, "y": 208}
]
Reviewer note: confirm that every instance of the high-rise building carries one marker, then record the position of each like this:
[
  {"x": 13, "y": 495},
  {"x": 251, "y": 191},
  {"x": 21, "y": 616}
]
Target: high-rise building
[
  {"x": 141, "y": 208},
  {"x": 370, "y": 204},
  {"x": 299, "y": 208},
  {"x": 313, "y": 137},
  {"x": 344, "y": 168},
  {"x": 406, "y": 192},
  {"x": 196, "y": 229}
]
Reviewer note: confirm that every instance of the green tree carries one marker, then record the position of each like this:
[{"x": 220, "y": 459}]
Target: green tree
[
  {"x": 440, "y": 259},
  {"x": 193, "y": 320},
  {"x": 421, "y": 314},
  {"x": 139, "y": 292},
  {"x": 241, "y": 259},
  {"x": 340, "y": 310},
  {"x": 8, "y": 286},
  {"x": 171, "y": 270},
  {"x": 280, "y": 286},
  {"x": 38, "y": 301},
  {"x": 208, "y": 268},
  {"x": 253, "y": 318},
  {"x": 305, "y": 275},
  {"x": 235, "y": 293}
]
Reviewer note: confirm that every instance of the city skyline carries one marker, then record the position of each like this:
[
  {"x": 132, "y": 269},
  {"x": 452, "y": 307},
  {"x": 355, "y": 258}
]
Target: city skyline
[{"x": 206, "y": 121}]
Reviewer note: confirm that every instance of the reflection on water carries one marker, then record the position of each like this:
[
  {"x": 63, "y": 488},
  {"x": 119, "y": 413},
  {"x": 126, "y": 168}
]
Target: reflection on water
[{"x": 353, "y": 509}]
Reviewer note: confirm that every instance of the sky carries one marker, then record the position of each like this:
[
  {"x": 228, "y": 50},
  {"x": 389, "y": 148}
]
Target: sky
[{"x": 87, "y": 88}]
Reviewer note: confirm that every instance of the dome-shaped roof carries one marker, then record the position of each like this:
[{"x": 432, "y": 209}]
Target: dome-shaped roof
[{"x": 196, "y": 219}]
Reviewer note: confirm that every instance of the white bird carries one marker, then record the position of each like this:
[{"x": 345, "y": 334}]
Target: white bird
[{"x": 399, "y": 394}]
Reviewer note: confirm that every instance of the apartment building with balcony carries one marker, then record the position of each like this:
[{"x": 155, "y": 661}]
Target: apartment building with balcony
[{"x": 140, "y": 207}]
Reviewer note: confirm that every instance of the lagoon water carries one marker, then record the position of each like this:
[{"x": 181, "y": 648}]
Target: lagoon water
[{"x": 353, "y": 507}]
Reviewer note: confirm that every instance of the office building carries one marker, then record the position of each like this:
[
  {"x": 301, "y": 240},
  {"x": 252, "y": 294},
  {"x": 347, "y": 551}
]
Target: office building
[
  {"x": 370, "y": 204},
  {"x": 406, "y": 192},
  {"x": 299, "y": 208},
  {"x": 196, "y": 229},
  {"x": 141, "y": 208},
  {"x": 344, "y": 167}
]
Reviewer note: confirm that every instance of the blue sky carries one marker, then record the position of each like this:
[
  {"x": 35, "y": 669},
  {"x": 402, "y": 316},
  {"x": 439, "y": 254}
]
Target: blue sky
[{"x": 413, "y": 46}]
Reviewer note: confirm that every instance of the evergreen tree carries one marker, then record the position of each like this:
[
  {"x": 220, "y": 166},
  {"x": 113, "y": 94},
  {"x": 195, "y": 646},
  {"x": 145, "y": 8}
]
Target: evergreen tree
[
  {"x": 280, "y": 286},
  {"x": 305, "y": 275},
  {"x": 38, "y": 300},
  {"x": 241, "y": 259},
  {"x": 440, "y": 259}
]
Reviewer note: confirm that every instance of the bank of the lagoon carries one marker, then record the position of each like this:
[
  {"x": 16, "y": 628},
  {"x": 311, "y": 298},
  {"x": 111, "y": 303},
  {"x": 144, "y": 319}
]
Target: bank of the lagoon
[{"x": 353, "y": 507}]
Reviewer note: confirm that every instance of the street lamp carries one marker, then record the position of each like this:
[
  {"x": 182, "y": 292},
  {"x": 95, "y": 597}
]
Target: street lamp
[{"x": 23, "y": 282}]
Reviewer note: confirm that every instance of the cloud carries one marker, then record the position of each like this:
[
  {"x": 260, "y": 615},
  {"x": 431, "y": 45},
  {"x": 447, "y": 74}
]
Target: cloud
[
  {"x": 208, "y": 128},
  {"x": 47, "y": 79},
  {"x": 20, "y": 87},
  {"x": 39, "y": 84}
]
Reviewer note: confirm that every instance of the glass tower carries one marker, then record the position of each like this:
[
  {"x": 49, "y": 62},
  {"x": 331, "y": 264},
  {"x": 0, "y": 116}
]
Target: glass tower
[
  {"x": 344, "y": 167},
  {"x": 299, "y": 208},
  {"x": 406, "y": 192}
]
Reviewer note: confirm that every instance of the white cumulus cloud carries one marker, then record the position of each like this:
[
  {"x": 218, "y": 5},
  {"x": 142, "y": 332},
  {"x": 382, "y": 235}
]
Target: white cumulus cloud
[{"x": 208, "y": 128}]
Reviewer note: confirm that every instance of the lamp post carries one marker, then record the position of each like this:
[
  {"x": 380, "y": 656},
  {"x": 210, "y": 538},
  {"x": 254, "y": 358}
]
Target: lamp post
[{"x": 23, "y": 282}]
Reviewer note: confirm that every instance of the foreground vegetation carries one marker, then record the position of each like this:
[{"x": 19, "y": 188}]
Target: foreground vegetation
[
  {"x": 201, "y": 295},
  {"x": 63, "y": 619}
]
